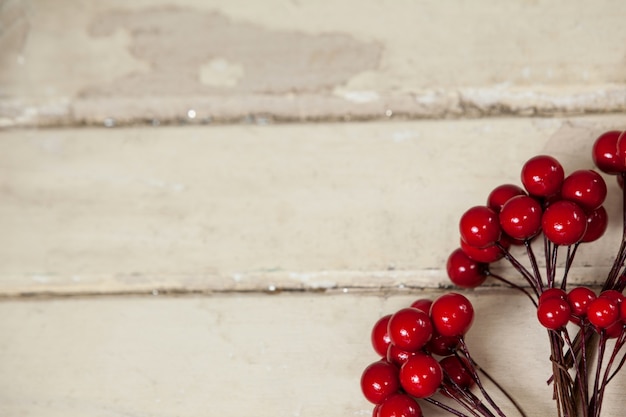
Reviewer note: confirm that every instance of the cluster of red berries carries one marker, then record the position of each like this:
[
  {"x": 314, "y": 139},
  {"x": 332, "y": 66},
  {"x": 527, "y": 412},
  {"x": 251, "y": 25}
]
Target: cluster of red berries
[
  {"x": 603, "y": 313},
  {"x": 423, "y": 352},
  {"x": 422, "y": 347},
  {"x": 568, "y": 210}
]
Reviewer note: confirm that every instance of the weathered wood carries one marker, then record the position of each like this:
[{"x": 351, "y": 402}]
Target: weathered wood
[
  {"x": 290, "y": 207},
  {"x": 120, "y": 62},
  {"x": 283, "y": 355}
]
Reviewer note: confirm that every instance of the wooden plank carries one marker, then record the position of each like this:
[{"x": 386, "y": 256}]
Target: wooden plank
[
  {"x": 264, "y": 208},
  {"x": 284, "y": 355},
  {"x": 119, "y": 62}
]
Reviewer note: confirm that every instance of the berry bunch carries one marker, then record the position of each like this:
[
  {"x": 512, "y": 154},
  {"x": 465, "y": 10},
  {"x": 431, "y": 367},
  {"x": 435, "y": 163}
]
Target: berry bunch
[
  {"x": 566, "y": 211},
  {"x": 422, "y": 347},
  {"x": 424, "y": 353}
]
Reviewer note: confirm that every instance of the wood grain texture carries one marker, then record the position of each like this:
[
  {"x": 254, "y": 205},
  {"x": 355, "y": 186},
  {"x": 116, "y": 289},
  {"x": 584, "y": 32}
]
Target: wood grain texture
[
  {"x": 283, "y": 355},
  {"x": 264, "y": 208},
  {"x": 120, "y": 62}
]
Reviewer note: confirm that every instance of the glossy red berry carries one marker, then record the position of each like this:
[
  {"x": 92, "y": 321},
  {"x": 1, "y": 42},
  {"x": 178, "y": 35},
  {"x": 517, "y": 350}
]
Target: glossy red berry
[
  {"x": 614, "y": 295},
  {"x": 421, "y": 375},
  {"x": 542, "y": 175},
  {"x": 422, "y": 304},
  {"x": 603, "y": 312},
  {"x": 442, "y": 345},
  {"x": 622, "y": 312},
  {"x": 621, "y": 148},
  {"x": 585, "y": 188},
  {"x": 479, "y": 226},
  {"x": 520, "y": 217},
  {"x": 614, "y": 330},
  {"x": 398, "y": 356},
  {"x": 488, "y": 254},
  {"x": 464, "y": 271},
  {"x": 553, "y": 313},
  {"x": 410, "y": 329},
  {"x": 579, "y": 299},
  {"x": 379, "y": 380},
  {"x": 564, "y": 223},
  {"x": 452, "y": 314},
  {"x": 597, "y": 222},
  {"x": 380, "y": 336},
  {"x": 457, "y": 371},
  {"x": 399, "y": 405},
  {"x": 501, "y": 194},
  {"x": 604, "y": 153},
  {"x": 552, "y": 293}
]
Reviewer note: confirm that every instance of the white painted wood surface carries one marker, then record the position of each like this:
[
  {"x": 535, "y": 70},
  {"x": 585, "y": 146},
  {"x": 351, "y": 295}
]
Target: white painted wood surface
[
  {"x": 226, "y": 265},
  {"x": 313, "y": 206},
  {"x": 151, "y": 61}
]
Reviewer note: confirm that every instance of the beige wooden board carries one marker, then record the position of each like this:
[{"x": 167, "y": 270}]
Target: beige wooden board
[
  {"x": 230, "y": 356},
  {"x": 295, "y": 207},
  {"x": 166, "y": 61}
]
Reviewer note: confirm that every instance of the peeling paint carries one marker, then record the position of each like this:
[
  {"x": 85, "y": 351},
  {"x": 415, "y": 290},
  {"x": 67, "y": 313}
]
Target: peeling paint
[{"x": 193, "y": 52}]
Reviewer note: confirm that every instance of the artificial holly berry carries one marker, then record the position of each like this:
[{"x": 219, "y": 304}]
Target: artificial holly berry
[
  {"x": 457, "y": 371},
  {"x": 604, "y": 153},
  {"x": 410, "y": 329},
  {"x": 452, "y": 314},
  {"x": 488, "y": 254},
  {"x": 564, "y": 223},
  {"x": 479, "y": 226},
  {"x": 501, "y": 194},
  {"x": 585, "y": 188},
  {"x": 379, "y": 380},
  {"x": 542, "y": 175},
  {"x": 597, "y": 222},
  {"x": 422, "y": 304},
  {"x": 579, "y": 299},
  {"x": 442, "y": 345},
  {"x": 380, "y": 336},
  {"x": 603, "y": 312},
  {"x": 464, "y": 271},
  {"x": 520, "y": 217},
  {"x": 552, "y": 293},
  {"x": 421, "y": 375},
  {"x": 398, "y": 356},
  {"x": 399, "y": 405},
  {"x": 553, "y": 313}
]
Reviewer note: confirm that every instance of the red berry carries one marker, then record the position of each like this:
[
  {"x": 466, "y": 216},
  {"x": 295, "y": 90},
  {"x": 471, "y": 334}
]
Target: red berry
[
  {"x": 585, "y": 188},
  {"x": 399, "y": 405},
  {"x": 452, "y": 314},
  {"x": 614, "y": 295},
  {"x": 579, "y": 299},
  {"x": 486, "y": 255},
  {"x": 603, "y": 312},
  {"x": 457, "y": 371},
  {"x": 614, "y": 330},
  {"x": 410, "y": 329},
  {"x": 597, "y": 222},
  {"x": 542, "y": 175},
  {"x": 479, "y": 226},
  {"x": 375, "y": 410},
  {"x": 465, "y": 272},
  {"x": 379, "y": 380},
  {"x": 421, "y": 375},
  {"x": 553, "y": 313},
  {"x": 520, "y": 217},
  {"x": 604, "y": 153},
  {"x": 501, "y": 194},
  {"x": 398, "y": 356},
  {"x": 422, "y": 304},
  {"x": 552, "y": 293},
  {"x": 564, "y": 223},
  {"x": 621, "y": 148},
  {"x": 442, "y": 345},
  {"x": 622, "y": 312},
  {"x": 380, "y": 337}
]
